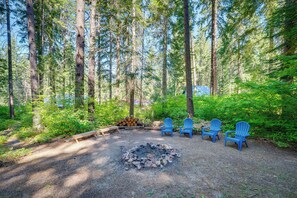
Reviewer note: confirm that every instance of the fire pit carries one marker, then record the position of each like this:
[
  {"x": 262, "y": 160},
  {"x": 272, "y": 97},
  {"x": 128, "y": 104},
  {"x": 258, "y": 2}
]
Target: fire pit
[{"x": 149, "y": 156}]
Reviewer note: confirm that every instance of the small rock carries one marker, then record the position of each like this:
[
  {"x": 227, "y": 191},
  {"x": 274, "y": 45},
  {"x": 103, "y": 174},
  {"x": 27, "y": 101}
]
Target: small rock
[
  {"x": 127, "y": 168},
  {"x": 136, "y": 163},
  {"x": 148, "y": 164}
]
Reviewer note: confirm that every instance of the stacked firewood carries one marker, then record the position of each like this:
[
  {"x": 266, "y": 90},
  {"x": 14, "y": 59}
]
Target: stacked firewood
[{"x": 130, "y": 121}]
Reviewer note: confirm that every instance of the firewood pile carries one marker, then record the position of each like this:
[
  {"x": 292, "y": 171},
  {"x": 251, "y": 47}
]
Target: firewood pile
[{"x": 130, "y": 121}]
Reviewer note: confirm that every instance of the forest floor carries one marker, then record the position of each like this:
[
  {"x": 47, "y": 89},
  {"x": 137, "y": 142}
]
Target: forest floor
[{"x": 93, "y": 168}]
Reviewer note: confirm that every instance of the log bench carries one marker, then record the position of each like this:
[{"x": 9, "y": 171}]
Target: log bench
[{"x": 95, "y": 133}]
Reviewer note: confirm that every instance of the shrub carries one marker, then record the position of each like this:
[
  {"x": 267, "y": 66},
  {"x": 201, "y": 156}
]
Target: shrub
[
  {"x": 8, "y": 155},
  {"x": 269, "y": 111}
]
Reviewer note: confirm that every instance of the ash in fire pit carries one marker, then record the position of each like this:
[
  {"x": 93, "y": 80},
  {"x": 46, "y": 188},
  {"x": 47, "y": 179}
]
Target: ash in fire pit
[{"x": 149, "y": 156}]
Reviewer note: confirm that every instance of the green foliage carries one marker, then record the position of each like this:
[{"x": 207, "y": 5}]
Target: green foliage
[
  {"x": 108, "y": 113},
  {"x": 23, "y": 117},
  {"x": 63, "y": 122},
  {"x": 8, "y": 155},
  {"x": 3, "y": 139},
  {"x": 25, "y": 132},
  {"x": 269, "y": 109}
]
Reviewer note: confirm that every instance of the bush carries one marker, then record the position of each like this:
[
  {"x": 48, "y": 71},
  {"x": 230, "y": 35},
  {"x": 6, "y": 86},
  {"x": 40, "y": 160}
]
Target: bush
[
  {"x": 110, "y": 112},
  {"x": 9, "y": 155},
  {"x": 3, "y": 139},
  {"x": 25, "y": 132},
  {"x": 64, "y": 122},
  {"x": 269, "y": 109}
]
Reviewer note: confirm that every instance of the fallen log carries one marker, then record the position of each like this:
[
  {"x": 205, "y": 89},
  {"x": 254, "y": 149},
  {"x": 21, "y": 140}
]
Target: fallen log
[{"x": 95, "y": 133}]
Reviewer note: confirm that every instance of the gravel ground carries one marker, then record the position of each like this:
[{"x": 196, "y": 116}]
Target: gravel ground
[{"x": 92, "y": 168}]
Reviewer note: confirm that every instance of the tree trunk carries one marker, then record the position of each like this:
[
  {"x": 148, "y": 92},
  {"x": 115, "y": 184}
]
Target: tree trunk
[
  {"x": 33, "y": 64},
  {"x": 126, "y": 71},
  {"x": 290, "y": 45},
  {"x": 200, "y": 65},
  {"x": 41, "y": 62},
  {"x": 110, "y": 65},
  {"x": 10, "y": 80},
  {"x": 80, "y": 47},
  {"x": 189, "y": 92},
  {"x": 133, "y": 64},
  {"x": 193, "y": 61},
  {"x": 64, "y": 69},
  {"x": 213, "y": 77},
  {"x": 271, "y": 47},
  {"x": 99, "y": 58},
  {"x": 118, "y": 49},
  {"x": 52, "y": 68},
  {"x": 239, "y": 75},
  {"x": 141, "y": 71},
  {"x": 118, "y": 72},
  {"x": 91, "y": 80},
  {"x": 164, "y": 69}
]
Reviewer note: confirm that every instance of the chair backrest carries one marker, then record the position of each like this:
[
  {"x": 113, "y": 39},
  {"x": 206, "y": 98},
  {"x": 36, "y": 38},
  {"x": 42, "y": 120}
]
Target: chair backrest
[
  {"x": 188, "y": 123},
  {"x": 168, "y": 122},
  {"x": 215, "y": 124},
  {"x": 242, "y": 129}
]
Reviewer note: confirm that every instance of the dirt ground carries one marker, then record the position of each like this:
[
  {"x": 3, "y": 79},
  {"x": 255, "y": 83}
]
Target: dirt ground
[{"x": 93, "y": 168}]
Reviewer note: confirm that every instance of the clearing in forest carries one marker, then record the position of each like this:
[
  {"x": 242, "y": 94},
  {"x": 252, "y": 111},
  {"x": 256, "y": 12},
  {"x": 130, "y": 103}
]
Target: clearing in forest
[{"x": 93, "y": 168}]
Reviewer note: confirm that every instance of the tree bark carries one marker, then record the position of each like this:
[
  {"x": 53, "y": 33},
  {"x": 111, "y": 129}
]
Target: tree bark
[
  {"x": 118, "y": 72},
  {"x": 141, "y": 71},
  {"x": 64, "y": 69},
  {"x": 41, "y": 61},
  {"x": 99, "y": 58},
  {"x": 80, "y": 46},
  {"x": 110, "y": 65},
  {"x": 290, "y": 45},
  {"x": 271, "y": 47},
  {"x": 189, "y": 92},
  {"x": 133, "y": 64},
  {"x": 200, "y": 65},
  {"x": 239, "y": 74},
  {"x": 52, "y": 67},
  {"x": 193, "y": 61},
  {"x": 10, "y": 80},
  {"x": 127, "y": 67},
  {"x": 91, "y": 80},
  {"x": 164, "y": 69},
  {"x": 33, "y": 64},
  {"x": 110, "y": 57},
  {"x": 213, "y": 77},
  {"x": 118, "y": 49}
]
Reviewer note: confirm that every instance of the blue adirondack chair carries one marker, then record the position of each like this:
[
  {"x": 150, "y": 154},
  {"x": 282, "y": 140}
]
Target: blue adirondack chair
[
  {"x": 241, "y": 132},
  {"x": 188, "y": 127},
  {"x": 167, "y": 127},
  {"x": 213, "y": 130}
]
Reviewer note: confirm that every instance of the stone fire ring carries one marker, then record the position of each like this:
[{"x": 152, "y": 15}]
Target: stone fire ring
[{"x": 149, "y": 156}]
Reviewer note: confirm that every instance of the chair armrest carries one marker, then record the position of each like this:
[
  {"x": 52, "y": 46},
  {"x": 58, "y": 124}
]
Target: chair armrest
[
  {"x": 227, "y": 132},
  {"x": 204, "y": 128}
]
